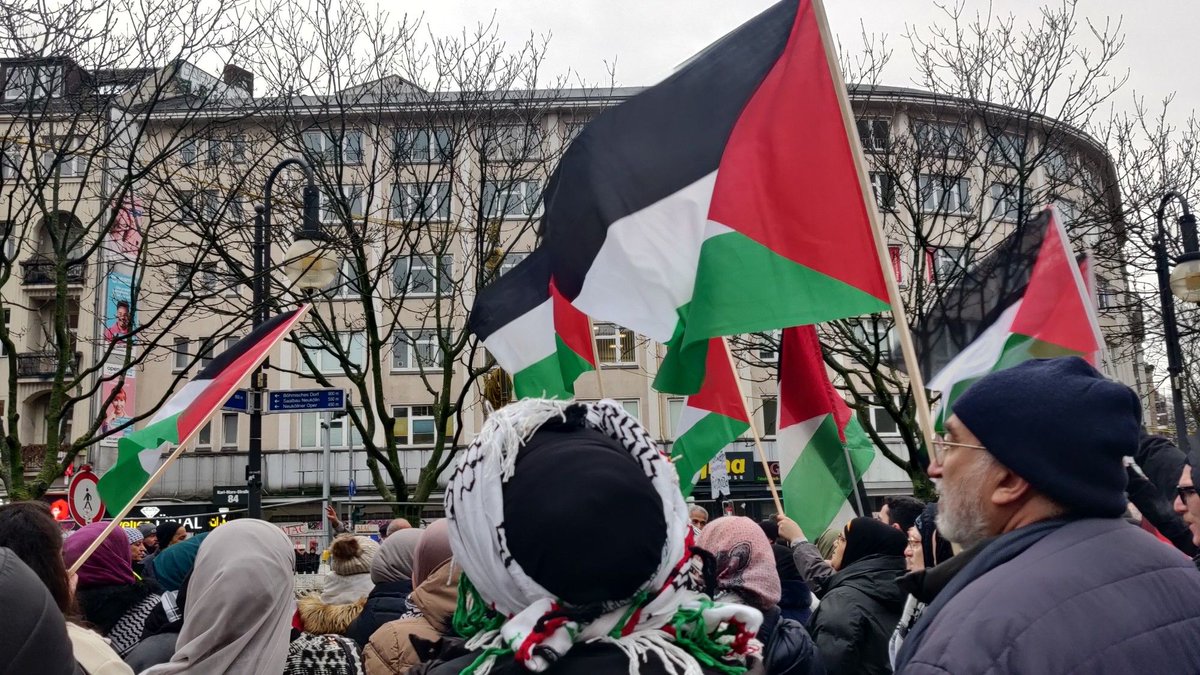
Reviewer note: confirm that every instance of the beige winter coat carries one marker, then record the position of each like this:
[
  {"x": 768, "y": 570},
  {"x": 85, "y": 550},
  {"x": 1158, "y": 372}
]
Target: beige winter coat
[
  {"x": 324, "y": 618},
  {"x": 390, "y": 651}
]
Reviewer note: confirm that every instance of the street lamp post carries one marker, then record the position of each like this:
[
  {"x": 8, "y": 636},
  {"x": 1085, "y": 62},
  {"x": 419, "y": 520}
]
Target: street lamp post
[
  {"x": 1184, "y": 283},
  {"x": 307, "y": 267}
]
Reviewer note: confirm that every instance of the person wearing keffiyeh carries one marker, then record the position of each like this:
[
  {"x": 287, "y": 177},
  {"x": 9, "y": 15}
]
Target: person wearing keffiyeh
[{"x": 575, "y": 548}]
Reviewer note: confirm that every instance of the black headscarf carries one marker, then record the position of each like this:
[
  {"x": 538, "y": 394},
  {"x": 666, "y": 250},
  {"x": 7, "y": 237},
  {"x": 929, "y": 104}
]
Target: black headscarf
[
  {"x": 165, "y": 532},
  {"x": 867, "y": 537},
  {"x": 582, "y": 517}
]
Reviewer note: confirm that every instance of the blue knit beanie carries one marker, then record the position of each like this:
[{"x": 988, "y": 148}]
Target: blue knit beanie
[{"x": 1062, "y": 426}]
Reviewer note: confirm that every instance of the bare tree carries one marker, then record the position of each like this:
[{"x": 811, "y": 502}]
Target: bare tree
[
  {"x": 433, "y": 151},
  {"x": 90, "y": 223}
]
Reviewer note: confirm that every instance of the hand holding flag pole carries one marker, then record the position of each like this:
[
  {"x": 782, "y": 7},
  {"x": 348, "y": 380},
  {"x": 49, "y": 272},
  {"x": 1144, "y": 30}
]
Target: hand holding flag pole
[
  {"x": 916, "y": 381},
  {"x": 247, "y": 354}
]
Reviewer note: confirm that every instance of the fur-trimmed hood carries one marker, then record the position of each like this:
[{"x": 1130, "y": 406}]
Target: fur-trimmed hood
[{"x": 322, "y": 618}]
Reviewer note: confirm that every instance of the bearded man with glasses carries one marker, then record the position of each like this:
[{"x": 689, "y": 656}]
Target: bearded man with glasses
[{"x": 1052, "y": 579}]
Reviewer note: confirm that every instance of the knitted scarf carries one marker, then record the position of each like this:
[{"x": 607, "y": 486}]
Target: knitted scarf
[{"x": 505, "y": 612}]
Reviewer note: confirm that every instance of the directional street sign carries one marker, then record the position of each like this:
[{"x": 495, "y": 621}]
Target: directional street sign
[
  {"x": 305, "y": 400},
  {"x": 239, "y": 402},
  {"x": 231, "y": 495},
  {"x": 84, "y": 499}
]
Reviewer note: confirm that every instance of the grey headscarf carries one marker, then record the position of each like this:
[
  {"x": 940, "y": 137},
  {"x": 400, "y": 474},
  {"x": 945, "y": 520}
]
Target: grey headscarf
[
  {"x": 240, "y": 603},
  {"x": 394, "y": 561}
]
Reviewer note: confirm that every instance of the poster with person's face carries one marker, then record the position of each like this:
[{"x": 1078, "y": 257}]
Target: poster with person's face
[
  {"x": 125, "y": 237},
  {"x": 121, "y": 396},
  {"x": 118, "y": 313}
]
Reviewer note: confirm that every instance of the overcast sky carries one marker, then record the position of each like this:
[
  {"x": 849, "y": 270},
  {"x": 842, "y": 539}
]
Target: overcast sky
[{"x": 647, "y": 38}]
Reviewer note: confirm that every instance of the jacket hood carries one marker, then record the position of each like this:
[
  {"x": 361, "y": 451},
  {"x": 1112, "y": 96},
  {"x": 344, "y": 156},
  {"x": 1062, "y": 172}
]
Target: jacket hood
[
  {"x": 437, "y": 596},
  {"x": 322, "y": 617},
  {"x": 874, "y": 575},
  {"x": 33, "y": 633}
]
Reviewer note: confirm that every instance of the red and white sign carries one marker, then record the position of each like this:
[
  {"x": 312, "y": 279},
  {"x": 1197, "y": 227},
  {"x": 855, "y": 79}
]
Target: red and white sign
[{"x": 84, "y": 498}]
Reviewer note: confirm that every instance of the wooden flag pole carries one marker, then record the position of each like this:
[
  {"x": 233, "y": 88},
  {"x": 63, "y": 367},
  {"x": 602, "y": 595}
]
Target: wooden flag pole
[
  {"x": 762, "y": 454},
  {"x": 112, "y": 524},
  {"x": 87, "y": 553},
  {"x": 596, "y": 356},
  {"x": 924, "y": 419}
]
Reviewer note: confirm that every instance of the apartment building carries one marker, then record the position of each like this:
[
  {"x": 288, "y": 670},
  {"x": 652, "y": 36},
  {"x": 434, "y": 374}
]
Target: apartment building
[{"x": 427, "y": 197}]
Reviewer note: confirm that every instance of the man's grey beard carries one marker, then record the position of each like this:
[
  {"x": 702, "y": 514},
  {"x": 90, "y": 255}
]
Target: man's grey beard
[{"x": 960, "y": 516}]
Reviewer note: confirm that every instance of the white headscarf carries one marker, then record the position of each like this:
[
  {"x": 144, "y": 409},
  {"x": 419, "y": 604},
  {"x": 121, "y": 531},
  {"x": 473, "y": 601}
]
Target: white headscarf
[
  {"x": 475, "y": 510},
  {"x": 240, "y": 603}
]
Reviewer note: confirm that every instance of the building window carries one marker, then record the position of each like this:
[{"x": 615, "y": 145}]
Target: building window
[
  {"x": 875, "y": 134},
  {"x": 615, "y": 345},
  {"x": 1108, "y": 297},
  {"x": 1006, "y": 202},
  {"x": 10, "y": 161},
  {"x": 882, "y": 422},
  {"x": 351, "y": 353},
  {"x": 510, "y": 261},
  {"x": 674, "y": 410},
  {"x": 422, "y": 146},
  {"x": 944, "y": 194},
  {"x": 512, "y": 142},
  {"x": 417, "y": 350},
  {"x": 187, "y": 152},
  {"x": 206, "y": 354},
  {"x": 768, "y": 347},
  {"x": 516, "y": 199},
  {"x": 196, "y": 279},
  {"x": 896, "y": 256},
  {"x": 64, "y": 157},
  {"x": 415, "y": 425},
  {"x": 941, "y": 139},
  {"x": 875, "y": 334},
  {"x": 352, "y": 202},
  {"x": 1067, "y": 211},
  {"x": 1007, "y": 150},
  {"x": 229, "y": 431},
  {"x": 944, "y": 263},
  {"x": 345, "y": 285},
  {"x": 204, "y": 436},
  {"x": 770, "y": 413},
  {"x": 423, "y": 275},
  {"x": 332, "y": 147},
  {"x": 885, "y": 190},
  {"x": 423, "y": 201},
  {"x": 32, "y": 82},
  {"x": 341, "y": 430},
  {"x": 180, "y": 355},
  {"x": 1058, "y": 166},
  {"x": 237, "y": 149}
]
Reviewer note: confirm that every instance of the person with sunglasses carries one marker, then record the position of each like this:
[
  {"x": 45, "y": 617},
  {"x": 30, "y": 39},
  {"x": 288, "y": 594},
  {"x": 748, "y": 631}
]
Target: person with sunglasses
[{"x": 1032, "y": 479}]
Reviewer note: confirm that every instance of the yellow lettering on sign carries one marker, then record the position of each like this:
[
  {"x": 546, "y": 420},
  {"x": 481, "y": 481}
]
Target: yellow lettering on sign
[{"x": 737, "y": 466}]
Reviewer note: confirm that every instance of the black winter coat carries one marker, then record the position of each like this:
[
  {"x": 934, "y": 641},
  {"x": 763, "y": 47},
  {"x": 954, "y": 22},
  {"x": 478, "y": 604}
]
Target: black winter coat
[
  {"x": 787, "y": 647},
  {"x": 387, "y": 602},
  {"x": 857, "y": 616},
  {"x": 796, "y": 601}
]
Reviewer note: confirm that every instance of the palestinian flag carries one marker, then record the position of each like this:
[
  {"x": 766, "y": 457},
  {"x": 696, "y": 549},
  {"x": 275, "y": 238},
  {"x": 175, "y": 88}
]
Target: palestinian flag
[
  {"x": 727, "y": 199},
  {"x": 818, "y": 438},
  {"x": 1027, "y": 300},
  {"x": 182, "y": 416},
  {"x": 532, "y": 331},
  {"x": 710, "y": 420}
]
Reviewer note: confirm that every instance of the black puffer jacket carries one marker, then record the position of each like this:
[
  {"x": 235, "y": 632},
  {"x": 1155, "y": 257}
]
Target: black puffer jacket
[
  {"x": 857, "y": 616},
  {"x": 589, "y": 658},
  {"x": 387, "y": 602},
  {"x": 787, "y": 647}
]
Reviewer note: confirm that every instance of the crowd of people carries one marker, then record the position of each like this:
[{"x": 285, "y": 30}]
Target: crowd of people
[{"x": 567, "y": 547}]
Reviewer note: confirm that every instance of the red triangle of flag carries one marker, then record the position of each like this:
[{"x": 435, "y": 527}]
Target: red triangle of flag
[
  {"x": 720, "y": 392},
  {"x": 804, "y": 387},
  {"x": 1054, "y": 309}
]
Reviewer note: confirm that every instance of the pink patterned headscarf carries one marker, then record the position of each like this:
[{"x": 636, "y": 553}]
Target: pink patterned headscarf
[{"x": 745, "y": 562}]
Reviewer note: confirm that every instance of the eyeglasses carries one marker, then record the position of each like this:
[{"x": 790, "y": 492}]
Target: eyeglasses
[
  {"x": 942, "y": 444},
  {"x": 914, "y": 544},
  {"x": 1184, "y": 491}
]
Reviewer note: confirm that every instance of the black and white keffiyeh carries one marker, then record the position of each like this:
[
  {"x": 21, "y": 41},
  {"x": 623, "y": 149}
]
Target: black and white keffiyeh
[{"x": 668, "y": 616}]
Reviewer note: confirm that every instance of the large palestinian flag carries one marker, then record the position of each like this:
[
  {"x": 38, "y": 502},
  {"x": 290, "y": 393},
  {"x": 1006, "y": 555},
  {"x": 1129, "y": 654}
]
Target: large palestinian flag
[
  {"x": 1027, "y": 300},
  {"x": 182, "y": 416},
  {"x": 532, "y": 331},
  {"x": 818, "y": 439},
  {"x": 710, "y": 420},
  {"x": 726, "y": 199}
]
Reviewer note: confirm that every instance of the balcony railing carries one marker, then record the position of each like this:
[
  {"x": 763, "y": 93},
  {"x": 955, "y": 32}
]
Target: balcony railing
[
  {"x": 40, "y": 272},
  {"x": 42, "y": 365}
]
